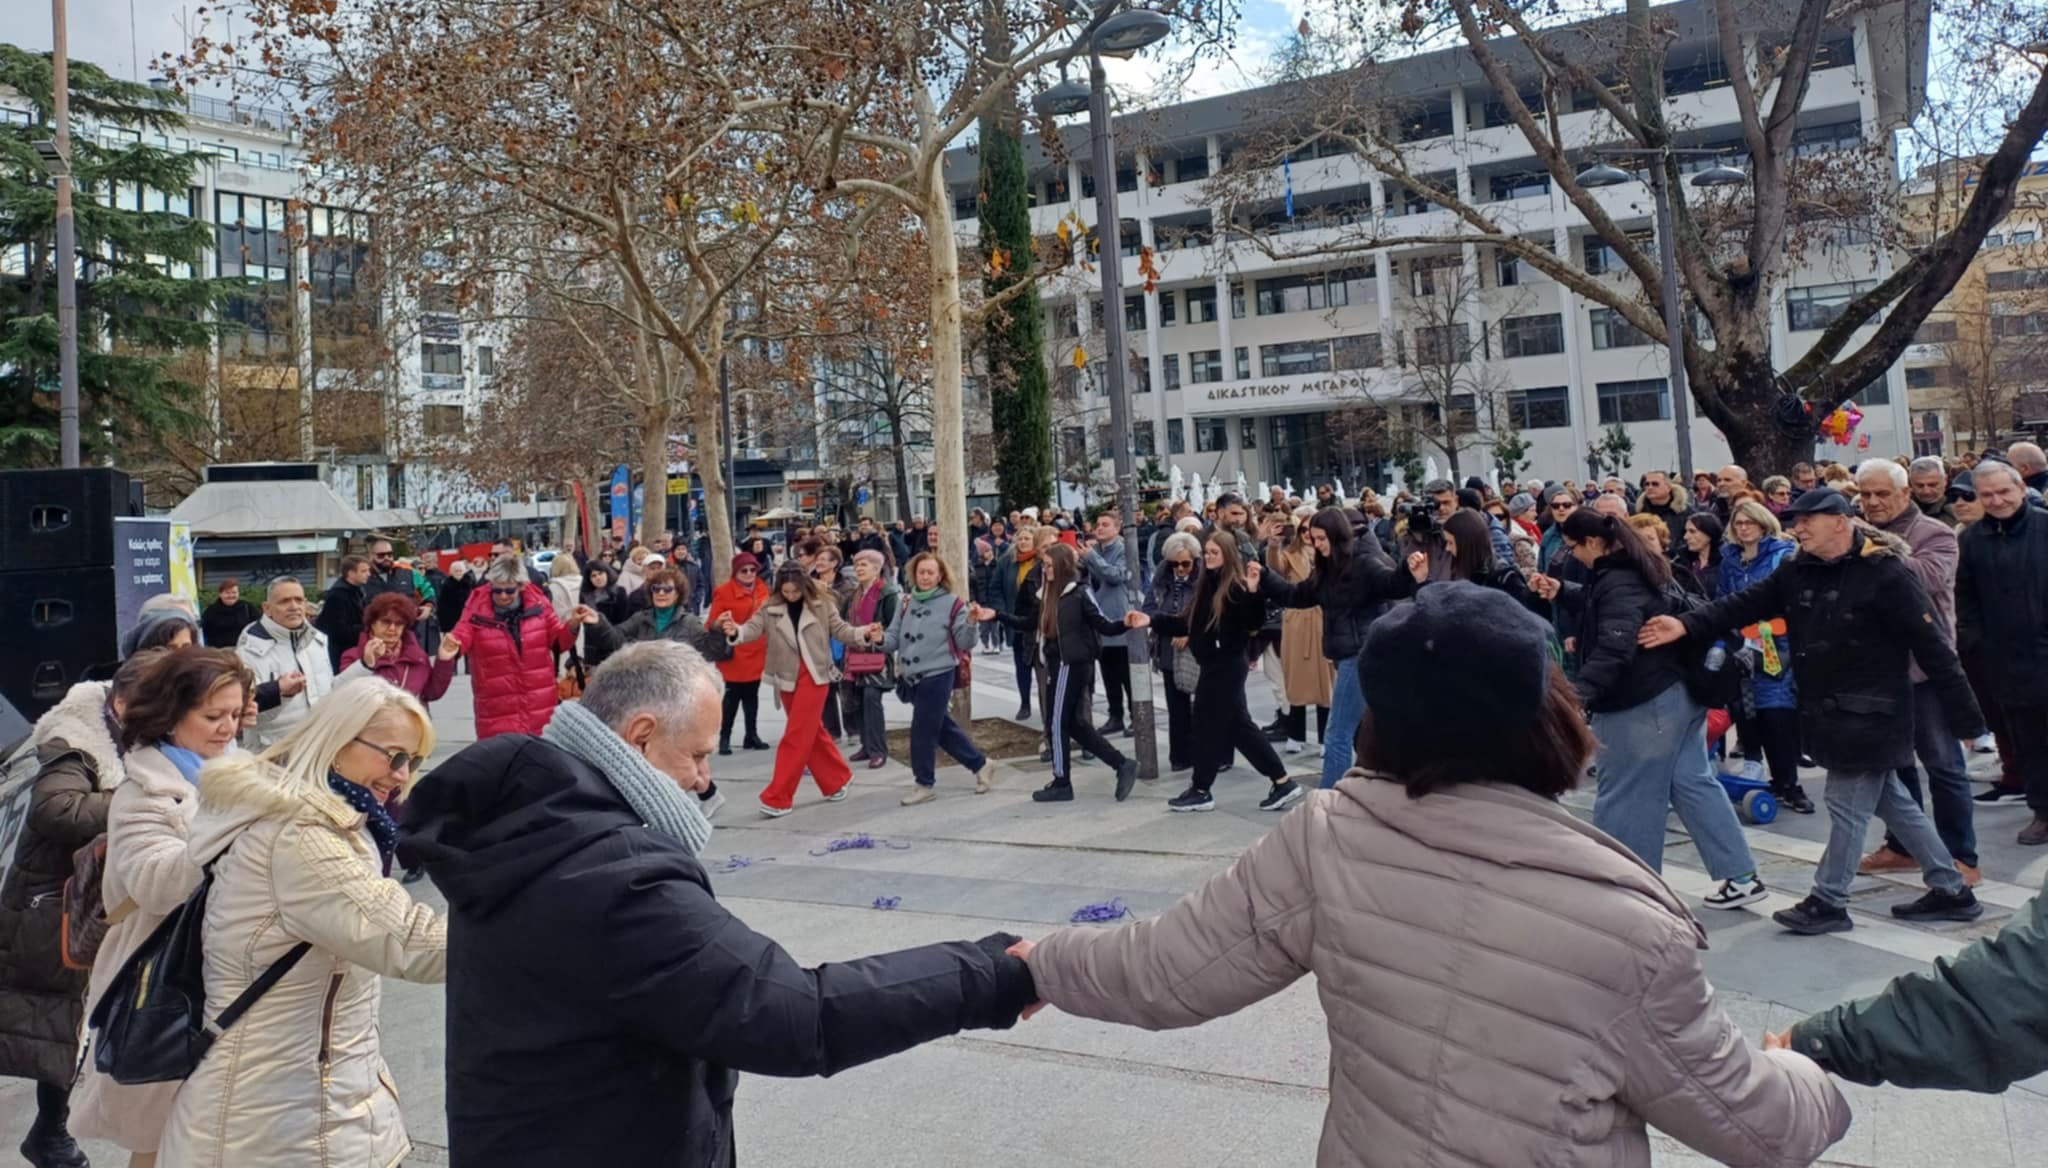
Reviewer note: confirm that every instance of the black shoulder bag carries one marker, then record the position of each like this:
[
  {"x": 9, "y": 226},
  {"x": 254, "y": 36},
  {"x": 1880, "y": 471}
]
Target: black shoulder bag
[{"x": 150, "y": 1026}]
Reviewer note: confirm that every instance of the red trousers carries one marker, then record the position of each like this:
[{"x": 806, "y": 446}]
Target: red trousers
[{"x": 806, "y": 745}]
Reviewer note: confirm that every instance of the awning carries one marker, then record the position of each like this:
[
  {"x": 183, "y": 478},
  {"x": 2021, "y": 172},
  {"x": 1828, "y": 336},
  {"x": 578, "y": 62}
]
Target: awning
[
  {"x": 208, "y": 547},
  {"x": 253, "y": 509}
]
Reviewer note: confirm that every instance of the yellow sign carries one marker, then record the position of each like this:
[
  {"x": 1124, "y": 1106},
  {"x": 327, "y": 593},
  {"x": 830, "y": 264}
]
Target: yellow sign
[{"x": 679, "y": 485}]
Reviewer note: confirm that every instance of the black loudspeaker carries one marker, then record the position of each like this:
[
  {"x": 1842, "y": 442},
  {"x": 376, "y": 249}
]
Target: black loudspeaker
[
  {"x": 59, "y": 625},
  {"x": 62, "y": 518}
]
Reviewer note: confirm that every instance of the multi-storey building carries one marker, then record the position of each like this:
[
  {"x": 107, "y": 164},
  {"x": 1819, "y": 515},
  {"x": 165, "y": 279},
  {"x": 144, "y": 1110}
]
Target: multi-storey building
[
  {"x": 1977, "y": 372},
  {"x": 1244, "y": 362},
  {"x": 322, "y": 366}
]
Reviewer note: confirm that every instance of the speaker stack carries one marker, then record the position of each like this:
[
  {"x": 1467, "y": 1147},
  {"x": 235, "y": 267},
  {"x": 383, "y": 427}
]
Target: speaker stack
[{"x": 57, "y": 617}]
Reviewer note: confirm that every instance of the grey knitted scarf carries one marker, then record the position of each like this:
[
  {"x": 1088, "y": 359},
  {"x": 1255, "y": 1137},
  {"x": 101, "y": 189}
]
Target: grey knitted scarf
[{"x": 653, "y": 796}]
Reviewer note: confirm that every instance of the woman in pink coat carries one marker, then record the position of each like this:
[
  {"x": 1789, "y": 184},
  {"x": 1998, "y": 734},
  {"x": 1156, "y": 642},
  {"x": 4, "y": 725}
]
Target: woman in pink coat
[
  {"x": 1503, "y": 983},
  {"x": 389, "y": 649},
  {"x": 511, "y": 634}
]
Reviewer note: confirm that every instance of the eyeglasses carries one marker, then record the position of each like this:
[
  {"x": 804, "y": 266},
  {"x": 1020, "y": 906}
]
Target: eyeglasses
[
  {"x": 746, "y": 572},
  {"x": 399, "y": 760}
]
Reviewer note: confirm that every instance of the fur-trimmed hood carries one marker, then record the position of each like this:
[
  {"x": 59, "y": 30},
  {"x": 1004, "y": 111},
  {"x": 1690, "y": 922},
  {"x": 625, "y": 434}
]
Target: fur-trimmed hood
[
  {"x": 240, "y": 790},
  {"x": 1880, "y": 544},
  {"x": 78, "y": 723}
]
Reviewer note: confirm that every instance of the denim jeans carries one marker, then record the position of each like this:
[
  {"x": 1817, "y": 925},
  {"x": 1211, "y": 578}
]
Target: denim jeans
[
  {"x": 1653, "y": 759},
  {"x": 1347, "y": 710},
  {"x": 1948, "y": 780},
  {"x": 1852, "y": 797},
  {"x": 933, "y": 729}
]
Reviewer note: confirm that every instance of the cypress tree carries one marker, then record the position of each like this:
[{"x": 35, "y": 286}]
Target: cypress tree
[{"x": 1020, "y": 394}]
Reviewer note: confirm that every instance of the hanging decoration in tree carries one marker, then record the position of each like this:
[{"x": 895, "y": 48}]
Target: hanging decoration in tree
[{"x": 1842, "y": 423}]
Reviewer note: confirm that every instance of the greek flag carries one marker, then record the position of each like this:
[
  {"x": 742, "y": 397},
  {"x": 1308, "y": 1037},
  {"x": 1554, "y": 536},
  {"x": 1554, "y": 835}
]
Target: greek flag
[{"x": 1287, "y": 175}]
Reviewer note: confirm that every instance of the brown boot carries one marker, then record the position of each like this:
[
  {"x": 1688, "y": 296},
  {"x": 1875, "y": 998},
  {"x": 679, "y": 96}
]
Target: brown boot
[
  {"x": 1884, "y": 859},
  {"x": 2036, "y": 833}
]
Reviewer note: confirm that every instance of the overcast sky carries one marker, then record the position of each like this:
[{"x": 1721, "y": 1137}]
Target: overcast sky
[{"x": 102, "y": 32}]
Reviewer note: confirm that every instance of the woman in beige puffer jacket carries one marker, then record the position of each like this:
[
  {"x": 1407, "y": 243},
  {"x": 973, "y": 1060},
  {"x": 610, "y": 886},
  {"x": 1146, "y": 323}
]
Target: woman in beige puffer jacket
[
  {"x": 1504, "y": 984},
  {"x": 299, "y": 856}
]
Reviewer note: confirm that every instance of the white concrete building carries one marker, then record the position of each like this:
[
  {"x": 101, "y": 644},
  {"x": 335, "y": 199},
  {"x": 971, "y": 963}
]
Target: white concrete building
[{"x": 1244, "y": 361}]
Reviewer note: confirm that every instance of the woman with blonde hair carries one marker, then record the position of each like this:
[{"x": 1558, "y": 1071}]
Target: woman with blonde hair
[
  {"x": 298, "y": 846},
  {"x": 1307, "y": 675},
  {"x": 185, "y": 712},
  {"x": 931, "y": 629}
]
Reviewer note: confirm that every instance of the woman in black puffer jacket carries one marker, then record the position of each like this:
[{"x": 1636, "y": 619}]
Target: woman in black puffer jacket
[
  {"x": 1173, "y": 586},
  {"x": 1653, "y": 745}
]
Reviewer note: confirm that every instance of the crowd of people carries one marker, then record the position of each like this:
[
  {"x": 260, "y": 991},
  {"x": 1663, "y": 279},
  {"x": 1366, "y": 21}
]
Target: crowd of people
[{"x": 1473, "y": 651}]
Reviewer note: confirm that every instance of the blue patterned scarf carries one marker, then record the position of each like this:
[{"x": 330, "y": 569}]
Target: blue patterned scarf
[{"x": 383, "y": 829}]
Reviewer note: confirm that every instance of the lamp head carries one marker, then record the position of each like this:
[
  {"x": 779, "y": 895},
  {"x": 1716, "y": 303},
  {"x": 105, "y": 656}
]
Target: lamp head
[
  {"x": 1063, "y": 97},
  {"x": 1720, "y": 175},
  {"x": 1600, "y": 174},
  {"x": 1130, "y": 30}
]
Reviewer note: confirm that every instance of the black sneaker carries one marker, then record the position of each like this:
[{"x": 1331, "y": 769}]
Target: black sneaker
[
  {"x": 724, "y": 747},
  {"x": 1796, "y": 800},
  {"x": 1282, "y": 796},
  {"x": 754, "y": 744},
  {"x": 1998, "y": 794},
  {"x": 413, "y": 876},
  {"x": 1054, "y": 793},
  {"x": 1045, "y": 754},
  {"x": 45, "y": 1149},
  {"x": 1941, "y": 906},
  {"x": 1126, "y": 775},
  {"x": 1811, "y": 918},
  {"x": 1113, "y": 726},
  {"x": 1023, "y": 713},
  {"x": 1192, "y": 799}
]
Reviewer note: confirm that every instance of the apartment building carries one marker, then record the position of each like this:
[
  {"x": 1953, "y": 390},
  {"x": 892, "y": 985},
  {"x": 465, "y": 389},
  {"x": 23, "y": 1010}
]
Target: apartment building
[
  {"x": 321, "y": 368},
  {"x": 1244, "y": 362}
]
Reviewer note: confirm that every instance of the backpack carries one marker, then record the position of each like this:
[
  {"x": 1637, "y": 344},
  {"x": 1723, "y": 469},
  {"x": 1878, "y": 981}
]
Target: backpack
[
  {"x": 150, "y": 1025},
  {"x": 84, "y": 923}
]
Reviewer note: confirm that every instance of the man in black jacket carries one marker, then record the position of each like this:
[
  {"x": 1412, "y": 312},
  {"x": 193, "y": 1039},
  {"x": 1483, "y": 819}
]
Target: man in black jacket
[
  {"x": 1858, "y": 620},
  {"x": 601, "y": 1002},
  {"x": 2000, "y": 617},
  {"x": 341, "y": 609}
]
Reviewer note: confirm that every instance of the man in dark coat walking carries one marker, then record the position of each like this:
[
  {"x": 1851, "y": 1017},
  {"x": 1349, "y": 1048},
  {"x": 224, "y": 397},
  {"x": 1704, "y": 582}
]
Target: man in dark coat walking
[
  {"x": 2001, "y": 616},
  {"x": 1858, "y": 620},
  {"x": 601, "y": 1003}
]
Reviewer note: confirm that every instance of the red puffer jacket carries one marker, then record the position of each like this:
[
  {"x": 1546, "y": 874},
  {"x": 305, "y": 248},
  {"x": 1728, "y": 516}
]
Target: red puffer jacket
[
  {"x": 512, "y": 676},
  {"x": 747, "y": 661}
]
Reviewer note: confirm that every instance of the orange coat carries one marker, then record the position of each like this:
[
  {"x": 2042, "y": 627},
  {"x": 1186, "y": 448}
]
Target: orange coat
[{"x": 750, "y": 659}]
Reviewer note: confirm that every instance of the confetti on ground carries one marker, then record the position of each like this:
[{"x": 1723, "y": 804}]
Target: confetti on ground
[
  {"x": 862, "y": 841},
  {"x": 888, "y": 901},
  {"x": 1113, "y": 909},
  {"x": 735, "y": 863}
]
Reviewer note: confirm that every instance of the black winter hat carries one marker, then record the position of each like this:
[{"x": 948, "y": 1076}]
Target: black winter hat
[{"x": 1460, "y": 656}]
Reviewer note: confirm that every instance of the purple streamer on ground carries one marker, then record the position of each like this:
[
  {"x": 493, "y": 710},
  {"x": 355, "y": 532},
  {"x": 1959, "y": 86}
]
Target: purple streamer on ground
[
  {"x": 1111, "y": 910},
  {"x": 888, "y": 901},
  {"x": 735, "y": 863},
  {"x": 862, "y": 841}
]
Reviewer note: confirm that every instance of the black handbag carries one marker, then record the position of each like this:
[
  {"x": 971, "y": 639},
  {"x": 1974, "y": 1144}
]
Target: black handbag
[{"x": 150, "y": 1026}]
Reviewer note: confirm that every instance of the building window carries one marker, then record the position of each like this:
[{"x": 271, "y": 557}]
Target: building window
[
  {"x": 1822, "y": 305},
  {"x": 2031, "y": 324},
  {"x": 1247, "y": 433},
  {"x": 1176, "y": 437},
  {"x": 1611, "y": 330},
  {"x": 1134, "y": 314},
  {"x": 1429, "y": 275},
  {"x": 441, "y": 421},
  {"x": 1169, "y": 365},
  {"x": 2022, "y": 238},
  {"x": 2017, "y": 280},
  {"x": 1934, "y": 332},
  {"x": 1813, "y": 140},
  {"x": 1305, "y": 293},
  {"x": 1511, "y": 270},
  {"x": 1835, "y": 53},
  {"x": 1648, "y": 400},
  {"x": 1237, "y": 302},
  {"x": 1531, "y": 336},
  {"x": 1443, "y": 344},
  {"x": 1211, "y": 435},
  {"x": 1201, "y": 305},
  {"x": 486, "y": 361},
  {"x": 1549, "y": 408},
  {"x": 1927, "y": 377},
  {"x": 1205, "y": 366},
  {"x": 1359, "y": 352},
  {"x": 1066, "y": 323},
  {"x": 1190, "y": 167},
  {"x": 440, "y": 357},
  {"x": 1602, "y": 257},
  {"x": 1289, "y": 358},
  {"x": 1140, "y": 376},
  {"x": 1166, "y": 310},
  {"x": 1520, "y": 186},
  {"x": 1877, "y": 393},
  {"x": 1141, "y": 439},
  {"x": 1244, "y": 362}
]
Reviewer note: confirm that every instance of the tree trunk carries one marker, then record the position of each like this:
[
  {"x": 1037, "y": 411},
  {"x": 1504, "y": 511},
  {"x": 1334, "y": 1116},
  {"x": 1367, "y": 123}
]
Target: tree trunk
[
  {"x": 1747, "y": 388},
  {"x": 653, "y": 466},
  {"x": 705, "y": 423},
  {"x": 897, "y": 451},
  {"x": 949, "y": 422}
]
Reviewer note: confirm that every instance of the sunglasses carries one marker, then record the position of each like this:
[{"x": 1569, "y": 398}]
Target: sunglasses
[
  {"x": 496, "y": 591},
  {"x": 399, "y": 760},
  {"x": 747, "y": 572},
  {"x": 661, "y": 588}
]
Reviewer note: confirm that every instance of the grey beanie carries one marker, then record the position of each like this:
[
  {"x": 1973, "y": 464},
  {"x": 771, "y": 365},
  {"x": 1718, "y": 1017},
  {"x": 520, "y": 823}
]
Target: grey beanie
[
  {"x": 150, "y": 621},
  {"x": 1521, "y": 504}
]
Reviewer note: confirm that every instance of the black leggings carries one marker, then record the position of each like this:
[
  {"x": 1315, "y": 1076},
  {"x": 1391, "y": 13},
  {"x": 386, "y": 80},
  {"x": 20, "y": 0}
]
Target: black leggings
[
  {"x": 1775, "y": 734},
  {"x": 741, "y": 695},
  {"x": 1023, "y": 652},
  {"x": 1223, "y": 725},
  {"x": 1179, "y": 724},
  {"x": 1296, "y": 722},
  {"x": 53, "y": 1106},
  {"x": 1072, "y": 720}
]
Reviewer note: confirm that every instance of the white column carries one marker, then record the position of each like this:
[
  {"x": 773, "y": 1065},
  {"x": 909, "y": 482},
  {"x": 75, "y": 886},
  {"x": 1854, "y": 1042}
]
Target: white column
[
  {"x": 1873, "y": 130},
  {"x": 1585, "y": 400}
]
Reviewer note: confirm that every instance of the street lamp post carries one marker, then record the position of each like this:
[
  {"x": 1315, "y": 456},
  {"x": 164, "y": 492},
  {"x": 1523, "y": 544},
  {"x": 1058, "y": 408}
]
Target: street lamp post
[
  {"x": 1667, "y": 258},
  {"x": 67, "y": 240},
  {"x": 1121, "y": 34}
]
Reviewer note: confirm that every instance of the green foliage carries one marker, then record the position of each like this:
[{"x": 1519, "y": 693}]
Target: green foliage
[
  {"x": 1510, "y": 448},
  {"x": 130, "y": 292},
  {"x": 1614, "y": 448},
  {"x": 1020, "y": 394},
  {"x": 1413, "y": 472}
]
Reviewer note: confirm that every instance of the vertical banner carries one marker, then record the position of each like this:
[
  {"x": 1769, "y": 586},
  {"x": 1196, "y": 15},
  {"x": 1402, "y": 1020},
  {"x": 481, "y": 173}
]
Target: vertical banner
[
  {"x": 639, "y": 503},
  {"x": 184, "y": 564},
  {"x": 142, "y": 566},
  {"x": 621, "y": 494}
]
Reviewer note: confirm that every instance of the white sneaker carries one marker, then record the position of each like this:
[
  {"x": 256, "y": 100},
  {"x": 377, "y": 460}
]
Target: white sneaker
[
  {"x": 1736, "y": 893},
  {"x": 836, "y": 796},
  {"x": 984, "y": 778},
  {"x": 1293, "y": 747},
  {"x": 768, "y": 812},
  {"x": 919, "y": 793},
  {"x": 711, "y": 805}
]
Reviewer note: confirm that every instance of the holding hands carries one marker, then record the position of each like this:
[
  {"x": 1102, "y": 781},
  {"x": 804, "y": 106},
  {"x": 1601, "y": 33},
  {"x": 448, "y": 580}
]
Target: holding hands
[
  {"x": 583, "y": 614},
  {"x": 450, "y": 647},
  {"x": 291, "y": 684},
  {"x": 1022, "y": 952},
  {"x": 873, "y": 633},
  {"x": 1133, "y": 620},
  {"x": 979, "y": 613},
  {"x": 1418, "y": 567},
  {"x": 1544, "y": 586},
  {"x": 728, "y": 626}
]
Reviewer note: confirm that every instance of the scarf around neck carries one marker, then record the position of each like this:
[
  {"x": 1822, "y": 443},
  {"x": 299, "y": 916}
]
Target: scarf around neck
[
  {"x": 653, "y": 796},
  {"x": 383, "y": 829},
  {"x": 664, "y": 617}
]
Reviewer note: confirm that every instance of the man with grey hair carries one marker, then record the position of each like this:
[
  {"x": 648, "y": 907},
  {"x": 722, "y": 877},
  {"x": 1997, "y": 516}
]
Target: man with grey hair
[
  {"x": 601, "y": 1003},
  {"x": 290, "y": 660},
  {"x": 1927, "y": 478},
  {"x": 1931, "y": 554},
  {"x": 1999, "y": 615},
  {"x": 2032, "y": 464}
]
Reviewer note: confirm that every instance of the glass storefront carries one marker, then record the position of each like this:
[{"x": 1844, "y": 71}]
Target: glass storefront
[{"x": 1347, "y": 445}]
